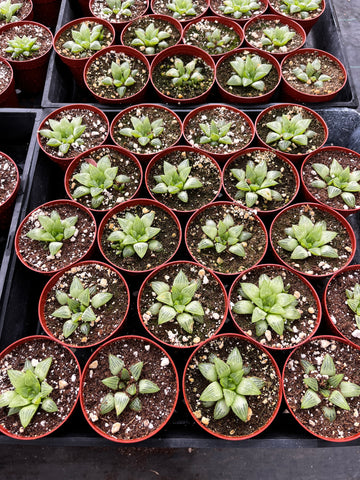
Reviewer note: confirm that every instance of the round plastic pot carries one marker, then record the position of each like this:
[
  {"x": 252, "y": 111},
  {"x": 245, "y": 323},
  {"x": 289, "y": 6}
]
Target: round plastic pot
[
  {"x": 262, "y": 213},
  {"x": 30, "y": 74},
  {"x": 83, "y": 380},
  {"x": 8, "y": 98},
  {"x": 120, "y": 24},
  {"x": 30, "y": 339},
  {"x": 64, "y": 162},
  {"x": 156, "y": 272},
  {"x": 183, "y": 22},
  {"x": 77, "y": 65},
  {"x": 306, "y": 192},
  {"x": 282, "y": 22},
  {"x": 328, "y": 210},
  {"x": 54, "y": 203},
  {"x": 130, "y": 52},
  {"x": 220, "y": 157},
  {"x": 295, "y": 158},
  {"x": 326, "y": 338},
  {"x": 231, "y": 97},
  {"x": 50, "y": 285},
  {"x": 46, "y": 12},
  {"x": 306, "y": 23},
  {"x": 182, "y": 50},
  {"x": 243, "y": 20},
  {"x": 278, "y": 404},
  {"x": 227, "y": 22},
  {"x": 146, "y": 202},
  {"x": 143, "y": 157},
  {"x": 6, "y": 207},
  {"x": 315, "y": 296},
  {"x": 299, "y": 96}
]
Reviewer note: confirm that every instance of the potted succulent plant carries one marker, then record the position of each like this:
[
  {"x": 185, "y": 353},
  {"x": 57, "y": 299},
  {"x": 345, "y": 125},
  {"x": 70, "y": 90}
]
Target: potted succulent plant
[
  {"x": 232, "y": 387},
  {"x": 8, "y": 96},
  {"x": 54, "y": 236},
  {"x": 276, "y": 307},
  {"x": 118, "y": 12},
  {"x": 238, "y": 10},
  {"x": 182, "y": 10},
  {"x": 9, "y": 186},
  {"x": 322, "y": 387},
  {"x": 226, "y": 237},
  {"x": 305, "y": 12},
  {"x": 129, "y": 389},
  {"x": 312, "y": 239},
  {"x": 15, "y": 11},
  {"x": 182, "y": 304},
  {"x": 39, "y": 381}
]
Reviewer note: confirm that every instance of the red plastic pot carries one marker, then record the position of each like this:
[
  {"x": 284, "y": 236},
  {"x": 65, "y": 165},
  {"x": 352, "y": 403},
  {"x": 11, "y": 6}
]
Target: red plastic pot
[
  {"x": 299, "y": 96},
  {"x": 285, "y": 374},
  {"x": 54, "y": 203},
  {"x": 130, "y": 52},
  {"x": 44, "y": 297},
  {"x": 307, "y": 193},
  {"x": 182, "y": 50},
  {"x": 143, "y": 157},
  {"x": 156, "y": 272},
  {"x": 77, "y": 65},
  {"x": 263, "y": 213},
  {"x": 10, "y": 351},
  {"x": 203, "y": 4},
  {"x": 46, "y": 11},
  {"x": 295, "y": 158},
  {"x": 236, "y": 284},
  {"x": 282, "y": 22},
  {"x": 64, "y": 162},
  {"x": 118, "y": 25},
  {"x": 306, "y": 23},
  {"x": 6, "y": 206},
  {"x": 240, "y": 338},
  {"x": 323, "y": 208},
  {"x": 30, "y": 74},
  {"x": 93, "y": 358},
  {"x": 242, "y": 20},
  {"x": 8, "y": 98},
  {"x": 231, "y": 97},
  {"x": 146, "y": 202},
  {"x": 227, "y": 22},
  {"x": 220, "y": 157}
]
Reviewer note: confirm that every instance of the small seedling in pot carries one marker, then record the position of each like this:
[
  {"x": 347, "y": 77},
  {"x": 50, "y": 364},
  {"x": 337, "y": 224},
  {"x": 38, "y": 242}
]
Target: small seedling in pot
[
  {"x": 150, "y": 38},
  {"x": 216, "y": 133},
  {"x": 118, "y": 8},
  {"x": 327, "y": 388},
  {"x": 22, "y": 46},
  {"x": 144, "y": 131},
  {"x": 63, "y": 133},
  {"x": 30, "y": 392},
  {"x": 135, "y": 236},
  {"x": 249, "y": 72},
  {"x": 96, "y": 180},
  {"x": 181, "y": 74},
  {"x": 303, "y": 7},
  {"x": 239, "y": 8},
  {"x": 311, "y": 74},
  {"x": 8, "y": 10},
  {"x": 286, "y": 132},
  {"x": 224, "y": 236},
  {"x": 353, "y": 301},
  {"x": 122, "y": 77},
  {"x": 276, "y": 37},
  {"x": 127, "y": 385},
  {"x": 307, "y": 238},
  {"x": 229, "y": 386},
  {"x": 85, "y": 39},
  {"x": 176, "y": 180},
  {"x": 53, "y": 231},
  {"x": 217, "y": 41},
  {"x": 254, "y": 181},
  {"x": 181, "y": 8},
  {"x": 269, "y": 304}
]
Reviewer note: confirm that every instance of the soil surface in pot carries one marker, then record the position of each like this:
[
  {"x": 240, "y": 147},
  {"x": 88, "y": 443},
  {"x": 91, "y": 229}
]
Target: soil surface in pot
[
  {"x": 261, "y": 407},
  {"x": 202, "y": 168},
  {"x": 8, "y": 178},
  {"x": 226, "y": 262},
  {"x": 346, "y": 159},
  {"x": 5, "y": 76},
  {"x": 346, "y": 359},
  {"x": 37, "y": 255},
  {"x": 169, "y": 136},
  {"x": 209, "y": 294},
  {"x": 43, "y": 40},
  {"x": 240, "y": 131},
  {"x": 313, "y": 265},
  {"x": 216, "y": 4},
  {"x": 136, "y": 9},
  {"x": 295, "y": 331},
  {"x": 160, "y": 7},
  {"x": 286, "y": 182},
  {"x": 156, "y": 407},
  {"x": 108, "y": 316},
  {"x": 196, "y": 35},
  {"x": 276, "y": 4},
  {"x": 63, "y": 377},
  {"x": 168, "y": 236},
  {"x": 23, "y": 11}
]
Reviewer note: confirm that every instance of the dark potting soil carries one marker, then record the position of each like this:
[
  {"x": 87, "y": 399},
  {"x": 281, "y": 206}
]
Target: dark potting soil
[
  {"x": 63, "y": 377},
  {"x": 160, "y": 7},
  {"x": 108, "y": 317},
  {"x": 286, "y": 182},
  {"x": 295, "y": 331},
  {"x": 8, "y": 178},
  {"x": 196, "y": 35},
  {"x": 23, "y": 11},
  {"x": 261, "y": 407},
  {"x": 216, "y": 4},
  {"x": 313, "y": 265},
  {"x": 5, "y": 76},
  {"x": 156, "y": 407},
  {"x": 226, "y": 262},
  {"x": 276, "y": 4},
  {"x": 347, "y": 360},
  {"x": 202, "y": 168},
  {"x": 43, "y": 40},
  {"x": 37, "y": 255},
  {"x": 136, "y": 9},
  {"x": 209, "y": 294}
]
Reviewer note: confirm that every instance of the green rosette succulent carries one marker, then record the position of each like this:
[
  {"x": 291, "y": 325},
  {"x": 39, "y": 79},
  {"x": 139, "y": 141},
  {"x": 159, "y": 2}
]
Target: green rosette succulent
[
  {"x": 118, "y": 8},
  {"x": 216, "y": 133},
  {"x": 276, "y": 37},
  {"x": 188, "y": 74},
  {"x": 85, "y": 39},
  {"x": 239, "y": 8},
  {"x": 301, "y": 7},
  {"x": 62, "y": 134},
  {"x": 249, "y": 72},
  {"x": 353, "y": 301},
  {"x": 311, "y": 74},
  {"x": 181, "y": 8},
  {"x": 22, "y": 46},
  {"x": 150, "y": 40},
  {"x": 286, "y": 132},
  {"x": 8, "y": 10},
  {"x": 122, "y": 77},
  {"x": 144, "y": 131}
]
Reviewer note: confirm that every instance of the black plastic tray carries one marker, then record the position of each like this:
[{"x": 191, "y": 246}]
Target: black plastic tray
[
  {"x": 60, "y": 87},
  {"x": 18, "y": 315}
]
